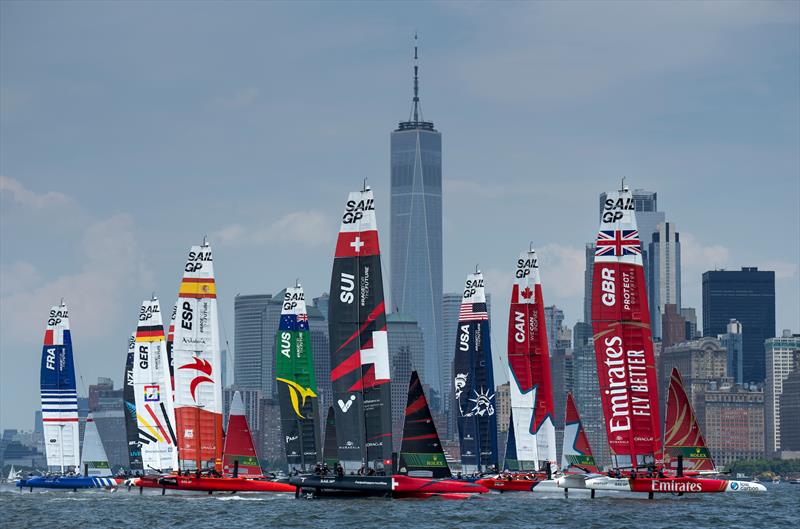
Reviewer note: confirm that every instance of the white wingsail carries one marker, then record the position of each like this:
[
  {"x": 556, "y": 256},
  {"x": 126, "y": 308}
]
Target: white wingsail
[{"x": 155, "y": 413}]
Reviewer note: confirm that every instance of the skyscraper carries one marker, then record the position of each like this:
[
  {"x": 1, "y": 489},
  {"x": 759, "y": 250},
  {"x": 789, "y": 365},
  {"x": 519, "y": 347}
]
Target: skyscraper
[
  {"x": 781, "y": 353},
  {"x": 732, "y": 341},
  {"x": 554, "y": 320},
  {"x": 256, "y": 323},
  {"x": 673, "y": 326},
  {"x": 406, "y": 350},
  {"x": 416, "y": 230},
  {"x": 789, "y": 412},
  {"x": 749, "y": 296},
  {"x": 664, "y": 285}
]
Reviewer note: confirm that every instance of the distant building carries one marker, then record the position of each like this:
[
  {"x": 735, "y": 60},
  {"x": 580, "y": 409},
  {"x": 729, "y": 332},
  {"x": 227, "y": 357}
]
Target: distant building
[
  {"x": 732, "y": 342},
  {"x": 318, "y": 329},
  {"x": 252, "y": 406},
  {"x": 664, "y": 285},
  {"x": 416, "y": 232},
  {"x": 103, "y": 384},
  {"x": 554, "y": 321},
  {"x": 502, "y": 405},
  {"x": 789, "y": 413},
  {"x": 586, "y": 390},
  {"x": 270, "y": 441},
  {"x": 734, "y": 422},
  {"x": 105, "y": 404},
  {"x": 690, "y": 316},
  {"x": 406, "y": 352},
  {"x": 323, "y": 303},
  {"x": 780, "y": 356},
  {"x": 257, "y": 318},
  {"x": 673, "y": 326},
  {"x": 749, "y": 296},
  {"x": 699, "y": 362}
]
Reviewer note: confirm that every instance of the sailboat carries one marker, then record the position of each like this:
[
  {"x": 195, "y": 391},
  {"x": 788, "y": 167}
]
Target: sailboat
[
  {"x": 60, "y": 410},
  {"x": 151, "y": 386},
  {"x": 359, "y": 352},
  {"x": 297, "y": 387},
  {"x": 239, "y": 457},
  {"x": 474, "y": 381},
  {"x": 93, "y": 457},
  {"x": 577, "y": 460},
  {"x": 530, "y": 452},
  {"x": 626, "y": 363}
]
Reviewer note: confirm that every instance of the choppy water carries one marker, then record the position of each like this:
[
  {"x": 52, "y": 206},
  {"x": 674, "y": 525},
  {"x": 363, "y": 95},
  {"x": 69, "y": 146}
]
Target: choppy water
[{"x": 777, "y": 508}]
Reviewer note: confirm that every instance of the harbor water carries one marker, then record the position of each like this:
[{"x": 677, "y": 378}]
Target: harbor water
[{"x": 779, "y": 508}]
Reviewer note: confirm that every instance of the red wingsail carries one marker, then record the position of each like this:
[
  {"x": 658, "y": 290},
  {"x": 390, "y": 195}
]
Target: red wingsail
[
  {"x": 622, "y": 338},
  {"x": 239, "y": 444}
]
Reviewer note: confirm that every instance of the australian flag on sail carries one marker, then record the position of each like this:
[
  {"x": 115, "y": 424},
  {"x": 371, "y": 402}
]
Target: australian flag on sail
[
  {"x": 617, "y": 243},
  {"x": 294, "y": 322}
]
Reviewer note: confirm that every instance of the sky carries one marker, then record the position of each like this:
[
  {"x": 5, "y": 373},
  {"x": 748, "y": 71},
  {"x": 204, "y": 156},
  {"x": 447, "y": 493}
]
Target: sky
[{"x": 129, "y": 130}]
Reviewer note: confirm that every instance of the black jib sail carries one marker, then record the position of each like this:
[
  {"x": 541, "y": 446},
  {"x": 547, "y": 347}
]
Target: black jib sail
[
  {"x": 129, "y": 403},
  {"x": 358, "y": 341},
  {"x": 421, "y": 453},
  {"x": 330, "y": 452}
]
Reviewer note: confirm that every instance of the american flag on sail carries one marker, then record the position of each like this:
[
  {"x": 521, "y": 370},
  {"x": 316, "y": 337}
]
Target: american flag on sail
[
  {"x": 618, "y": 243},
  {"x": 473, "y": 312}
]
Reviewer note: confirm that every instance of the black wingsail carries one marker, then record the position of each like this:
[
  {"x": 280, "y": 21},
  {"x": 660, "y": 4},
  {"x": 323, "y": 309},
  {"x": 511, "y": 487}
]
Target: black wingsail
[
  {"x": 421, "y": 453},
  {"x": 330, "y": 452},
  {"x": 129, "y": 403},
  {"x": 358, "y": 341}
]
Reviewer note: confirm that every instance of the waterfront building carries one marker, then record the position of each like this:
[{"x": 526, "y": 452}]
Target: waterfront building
[
  {"x": 664, "y": 284},
  {"x": 689, "y": 314},
  {"x": 673, "y": 326},
  {"x": 748, "y": 295},
  {"x": 733, "y": 421},
  {"x": 789, "y": 412},
  {"x": 780, "y": 354}
]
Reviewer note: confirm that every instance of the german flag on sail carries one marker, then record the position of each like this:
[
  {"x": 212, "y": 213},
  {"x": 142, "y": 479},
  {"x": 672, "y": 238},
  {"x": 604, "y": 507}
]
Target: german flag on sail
[
  {"x": 150, "y": 333},
  {"x": 197, "y": 287}
]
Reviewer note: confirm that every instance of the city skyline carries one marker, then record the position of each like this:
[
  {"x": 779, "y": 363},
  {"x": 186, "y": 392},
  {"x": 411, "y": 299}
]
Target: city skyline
[{"x": 536, "y": 129}]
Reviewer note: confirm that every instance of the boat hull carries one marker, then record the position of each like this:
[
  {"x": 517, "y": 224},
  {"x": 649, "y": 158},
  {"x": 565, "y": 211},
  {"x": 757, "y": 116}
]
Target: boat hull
[
  {"x": 211, "y": 484},
  {"x": 673, "y": 485},
  {"x": 70, "y": 482},
  {"x": 397, "y": 486}
]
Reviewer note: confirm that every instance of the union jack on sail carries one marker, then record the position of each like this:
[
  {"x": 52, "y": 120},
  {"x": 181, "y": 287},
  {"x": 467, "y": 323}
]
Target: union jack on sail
[{"x": 616, "y": 243}]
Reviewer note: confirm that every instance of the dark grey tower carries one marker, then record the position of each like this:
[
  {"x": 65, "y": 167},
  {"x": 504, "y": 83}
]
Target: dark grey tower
[{"x": 416, "y": 232}]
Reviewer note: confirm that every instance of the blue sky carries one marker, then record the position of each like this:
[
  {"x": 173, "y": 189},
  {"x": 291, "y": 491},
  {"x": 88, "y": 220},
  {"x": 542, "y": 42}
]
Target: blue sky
[{"x": 131, "y": 129}]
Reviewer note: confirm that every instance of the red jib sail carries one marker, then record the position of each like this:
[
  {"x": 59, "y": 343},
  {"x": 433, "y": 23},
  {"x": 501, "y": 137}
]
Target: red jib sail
[
  {"x": 682, "y": 435},
  {"x": 622, "y": 338},
  {"x": 576, "y": 452},
  {"x": 239, "y": 444}
]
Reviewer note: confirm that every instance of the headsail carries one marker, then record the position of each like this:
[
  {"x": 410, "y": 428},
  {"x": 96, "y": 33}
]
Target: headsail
[
  {"x": 622, "y": 338},
  {"x": 93, "y": 459},
  {"x": 474, "y": 380},
  {"x": 239, "y": 444},
  {"x": 421, "y": 452},
  {"x": 529, "y": 370},
  {"x": 154, "y": 408},
  {"x": 358, "y": 341},
  {"x": 59, "y": 393},
  {"x": 297, "y": 387},
  {"x": 330, "y": 450},
  {"x": 576, "y": 452},
  {"x": 197, "y": 359},
  {"x": 682, "y": 435},
  {"x": 132, "y": 431}
]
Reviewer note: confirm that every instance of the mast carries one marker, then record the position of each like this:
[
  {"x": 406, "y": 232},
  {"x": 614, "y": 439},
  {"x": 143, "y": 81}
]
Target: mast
[
  {"x": 197, "y": 359},
  {"x": 474, "y": 380},
  {"x": 622, "y": 337},
  {"x": 59, "y": 393},
  {"x": 358, "y": 340},
  {"x": 297, "y": 387}
]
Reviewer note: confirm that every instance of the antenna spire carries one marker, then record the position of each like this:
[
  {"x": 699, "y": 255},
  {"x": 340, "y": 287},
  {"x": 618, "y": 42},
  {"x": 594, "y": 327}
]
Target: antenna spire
[{"x": 416, "y": 81}]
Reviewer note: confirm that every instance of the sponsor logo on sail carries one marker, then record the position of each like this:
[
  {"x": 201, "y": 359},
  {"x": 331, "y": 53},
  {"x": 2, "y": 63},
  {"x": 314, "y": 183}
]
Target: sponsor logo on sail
[
  {"x": 299, "y": 394},
  {"x": 344, "y": 406},
  {"x": 204, "y": 366},
  {"x": 675, "y": 486},
  {"x": 152, "y": 393}
]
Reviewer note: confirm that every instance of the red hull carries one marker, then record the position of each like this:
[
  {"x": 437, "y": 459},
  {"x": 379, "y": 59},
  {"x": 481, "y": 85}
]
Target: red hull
[
  {"x": 517, "y": 483},
  {"x": 209, "y": 484},
  {"x": 405, "y": 486},
  {"x": 678, "y": 485}
]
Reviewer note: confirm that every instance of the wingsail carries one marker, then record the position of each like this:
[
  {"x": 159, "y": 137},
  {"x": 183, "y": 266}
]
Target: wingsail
[
  {"x": 239, "y": 455},
  {"x": 421, "y": 452},
  {"x": 576, "y": 453},
  {"x": 93, "y": 460},
  {"x": 682, "y": 435}
]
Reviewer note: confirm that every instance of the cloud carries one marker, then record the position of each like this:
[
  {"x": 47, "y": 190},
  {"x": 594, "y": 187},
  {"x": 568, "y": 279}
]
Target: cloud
[
  {"x": 21, "y": 195},
  {"x": 111, "y": 268},
  {"x": 309, "y": 228},
  {"x": 697, "y": 257},
  {"x": 562, "y": 269},
  {"x": 782, "y": 269},
  {"x": 240, "y": 99},
  {"x": 18, "y": 277}
]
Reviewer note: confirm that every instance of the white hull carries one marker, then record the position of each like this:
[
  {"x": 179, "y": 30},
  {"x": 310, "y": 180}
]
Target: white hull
[{"x": 608, "y": 483}]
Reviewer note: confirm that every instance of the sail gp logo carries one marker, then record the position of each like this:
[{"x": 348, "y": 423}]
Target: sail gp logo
[
  {"x": 344, "y": 406},
  {"x": 297, "y": 392},
  {"x": 204, "y": 366}
]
